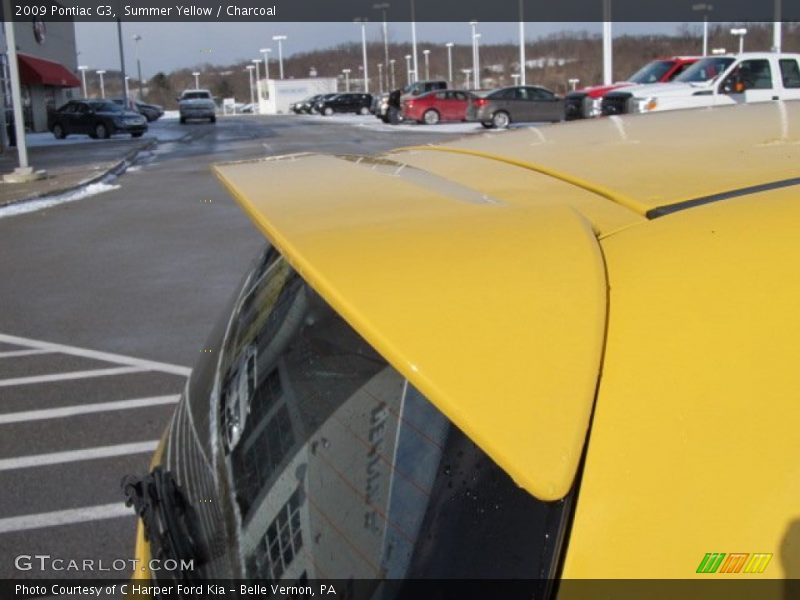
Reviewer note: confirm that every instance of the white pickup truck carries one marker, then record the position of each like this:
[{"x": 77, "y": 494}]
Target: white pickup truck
[{"x": 715, "y": 81}]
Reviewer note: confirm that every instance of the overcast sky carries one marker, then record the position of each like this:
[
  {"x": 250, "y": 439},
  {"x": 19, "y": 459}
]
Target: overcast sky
[{"x": 167, "y": 46}]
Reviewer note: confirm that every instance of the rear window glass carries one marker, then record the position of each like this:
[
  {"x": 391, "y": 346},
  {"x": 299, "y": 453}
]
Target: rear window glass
[
  {"x": 196, "y": 96},
  {"x": 790, "y": 73},
  {"x": 340, "y": 468}
]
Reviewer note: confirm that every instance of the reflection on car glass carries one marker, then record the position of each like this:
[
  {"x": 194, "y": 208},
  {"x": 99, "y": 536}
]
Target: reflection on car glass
[{"x": 339, "y": 468}]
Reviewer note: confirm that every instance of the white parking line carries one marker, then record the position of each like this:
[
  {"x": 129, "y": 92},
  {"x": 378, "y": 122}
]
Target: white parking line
[
  {"x": 85, "y": 409},
  {"x": 69, "y": 375},
  {"x": 65, "y": 517},
  {"x": 16, "y": 353},
  {"x": 55, "y": 458},
  {"x": 105, "y": 356}
]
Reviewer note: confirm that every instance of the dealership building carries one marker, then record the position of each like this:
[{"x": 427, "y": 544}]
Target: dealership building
[{"x": 48, "y": 67}]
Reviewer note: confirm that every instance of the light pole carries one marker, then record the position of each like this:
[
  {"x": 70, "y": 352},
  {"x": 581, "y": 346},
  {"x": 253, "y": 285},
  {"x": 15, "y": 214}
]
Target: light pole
[
  {"x": 449, "y": 62},
  {"x": 741, "y": 32},
  {"x": 474, "y": 25},
  {"x": 82, "y": 69},
  {"x": 265, "y": 52},
  {"x": 476, "y": 78},
  {"x": 521, "y": 45},
  {"x": 573, "y": 83},
  {"x": 705, "y": 9},
  {"x": 380, "y": 76},
  {"x": 383, "y": 6},
  {"x": 776, "y": 28},
  {"x": 608, "y": 74},
  {"x": 24, "y": 172},
  {"x": 394, "y": 83},
  {"x": 346, "y": 79},
  {"x": 408, "y": 69},
  {"x": 427, "y": 54},
  {"x": 414, "y": 40},
  {"x": 250, "y": 69},
  {"x": 363, "y": 23},
  {"x": 196, "y": 79},
  {"x": 102, "y": 86},
  {"x": 279, "y": 39},
  {"x": 137, "y": 38},
  {"x": 257, "y": 62},
  {"x": 466, "y": 73},
  {"x": 127, "y": 92}
]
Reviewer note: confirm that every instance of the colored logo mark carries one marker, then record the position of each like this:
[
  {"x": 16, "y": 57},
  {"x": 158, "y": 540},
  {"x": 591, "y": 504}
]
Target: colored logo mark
[{"x": 739, "y": 562}]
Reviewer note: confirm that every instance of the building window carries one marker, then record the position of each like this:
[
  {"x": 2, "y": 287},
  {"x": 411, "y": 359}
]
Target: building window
[{"x": 278, "y": 548}]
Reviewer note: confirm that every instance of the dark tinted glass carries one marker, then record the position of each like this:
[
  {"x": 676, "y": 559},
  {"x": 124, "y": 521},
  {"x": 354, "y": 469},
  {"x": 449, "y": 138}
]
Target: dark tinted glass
[
  {"x": 790, "y": 73},
  {"x": 332, "y": 465}
]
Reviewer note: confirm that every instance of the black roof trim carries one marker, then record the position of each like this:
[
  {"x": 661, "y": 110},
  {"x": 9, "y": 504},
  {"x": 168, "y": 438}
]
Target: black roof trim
[{"x": 661, "y": 211}]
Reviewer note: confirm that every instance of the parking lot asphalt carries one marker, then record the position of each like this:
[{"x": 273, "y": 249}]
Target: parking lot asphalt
[{"x": 105, "y": 304}]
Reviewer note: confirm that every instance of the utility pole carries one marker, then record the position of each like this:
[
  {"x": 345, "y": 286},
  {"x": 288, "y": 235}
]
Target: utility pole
[
  {"x": 137, "y": 38},
  {"x": 122, "y": 60},
  {"x": 24, "y": 172}
]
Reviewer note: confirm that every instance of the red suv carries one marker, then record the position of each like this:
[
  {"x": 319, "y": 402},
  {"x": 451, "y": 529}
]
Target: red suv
[
  {"x": 440, "y": 105},
  {"x": 584, "y": 103}
]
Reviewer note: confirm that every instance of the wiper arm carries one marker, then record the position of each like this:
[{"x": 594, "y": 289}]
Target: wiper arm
[{"x": 168, "y": 519}]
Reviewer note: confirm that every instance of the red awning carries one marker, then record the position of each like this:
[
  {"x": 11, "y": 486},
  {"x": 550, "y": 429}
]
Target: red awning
[{"x": 38, "y": 71}]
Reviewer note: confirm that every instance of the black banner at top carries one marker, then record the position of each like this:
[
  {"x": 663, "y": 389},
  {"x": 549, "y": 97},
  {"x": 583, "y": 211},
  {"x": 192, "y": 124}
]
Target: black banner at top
[{"x": 408, "y": 10}]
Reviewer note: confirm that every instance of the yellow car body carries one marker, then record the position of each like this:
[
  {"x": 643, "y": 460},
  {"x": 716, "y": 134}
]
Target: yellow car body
[{"x": 608, "y": 306}]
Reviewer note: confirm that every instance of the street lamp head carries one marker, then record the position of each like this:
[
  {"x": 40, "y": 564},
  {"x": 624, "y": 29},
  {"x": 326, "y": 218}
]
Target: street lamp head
[
  {"x": 408, "y": 56},
  {"x": 478, "y": 36},
  {"x": 717, "y": 51},
  {"x": 739, "y": 31},
  {"x": 392, "y": 61},
  {"x": 101, "y": 72},
  {"x": 449, "y": 44},
  {"x": 381, "y": 6},
  {"x": 473, "y": 23},
  {"x": 256, "y": 61},
  {"x": 137, "y": 37},
  {"x": 196, "y": 73},
  {"x": 278, "y": 38},
  {"x": 249, "y": 68},
  {"x": 703, "y": 7},
  {"x": 346, "y": 71},
  {"x": 265, "y": 50},
  {"x": 83, "y": 68},
  {"x": 426, "y": 52}
]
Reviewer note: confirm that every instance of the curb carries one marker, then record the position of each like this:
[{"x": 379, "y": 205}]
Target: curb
[{"x": 114, "y": 170}]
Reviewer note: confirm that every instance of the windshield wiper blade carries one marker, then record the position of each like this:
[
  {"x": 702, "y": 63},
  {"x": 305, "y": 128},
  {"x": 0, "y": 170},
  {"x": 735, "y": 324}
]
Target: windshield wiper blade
[{"x": 168, "y": 519}]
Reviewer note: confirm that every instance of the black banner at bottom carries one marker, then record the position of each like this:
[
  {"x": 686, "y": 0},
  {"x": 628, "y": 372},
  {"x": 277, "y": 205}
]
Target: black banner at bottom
[{"x": 453, "y": 589}]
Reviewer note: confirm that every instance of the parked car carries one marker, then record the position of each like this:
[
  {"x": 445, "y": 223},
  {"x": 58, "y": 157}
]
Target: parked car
[
  {"x": 197, "y": 104},
  {"x": 500, "y": 108},
  {"x": 151, "y": 112},
  {"x": 587, "y": 102},
  {"x": 344, "y": 103},
  {"x": 442, "y": 105},
  {"x": 313, "y": 107},
  {"x": 389, "y": 109},
  {"x": 715, "y": 81},
  {"x": 95, "y": 118},
  {"x": 304, "y": 106},
  {"x": 502, "y": 358}
]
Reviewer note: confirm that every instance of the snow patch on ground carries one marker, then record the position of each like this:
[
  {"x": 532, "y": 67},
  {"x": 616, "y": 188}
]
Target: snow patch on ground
[
  {"x": 22, "y": 208},
  {"x": 371, "y": 122}
]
